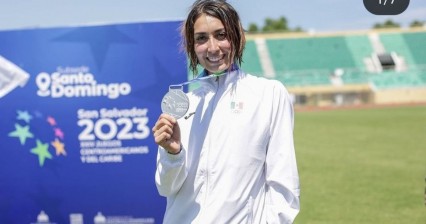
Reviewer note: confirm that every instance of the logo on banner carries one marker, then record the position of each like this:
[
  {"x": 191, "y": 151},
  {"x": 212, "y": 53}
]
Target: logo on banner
[
  {"x": 108, "y": 134},
  {"x": 101, "y": 218},
  {"x": 43, "y": 218},
  {"x": 76, "y": 218},
  {"x": 11, "y": 76},
  {"x": 72, "y": 82},
  {"x": 38, "y": 145}
]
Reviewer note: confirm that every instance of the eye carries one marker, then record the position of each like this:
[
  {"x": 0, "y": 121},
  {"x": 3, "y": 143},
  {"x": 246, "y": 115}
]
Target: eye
[
  {"x": 201, "y": 38},
  {"x": 221, "y": 35}
]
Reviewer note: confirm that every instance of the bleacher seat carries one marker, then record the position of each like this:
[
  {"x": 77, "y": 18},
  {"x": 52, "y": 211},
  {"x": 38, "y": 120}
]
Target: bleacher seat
[{"x": 251, "y": 62}]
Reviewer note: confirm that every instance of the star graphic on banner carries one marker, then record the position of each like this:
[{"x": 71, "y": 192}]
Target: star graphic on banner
[
  {"x": 22, "y": 132},
  {"x": 59, "y": 133},
  {"x": 24, "y": 115},
  {"x": 51, "y": 121},
  {"x": 42, "y": 152},
  {"x": 59, "y": 147},
  {"x": 98, "y": 38}
]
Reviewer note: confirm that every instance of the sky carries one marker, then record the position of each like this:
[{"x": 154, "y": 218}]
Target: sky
[{"x": 310, "y": 15}]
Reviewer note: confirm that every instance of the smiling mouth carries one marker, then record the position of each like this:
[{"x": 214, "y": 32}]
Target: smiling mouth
[{"x": 216, "y": 59}]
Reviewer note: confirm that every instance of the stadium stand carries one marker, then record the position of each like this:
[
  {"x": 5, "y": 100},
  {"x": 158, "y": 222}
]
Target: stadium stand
[
  {"x": 310, "y": 53},
  {"x": 251, "y": 59},
  {"x": 416, "y": 44},
  {"x": 343, "y": 68}
]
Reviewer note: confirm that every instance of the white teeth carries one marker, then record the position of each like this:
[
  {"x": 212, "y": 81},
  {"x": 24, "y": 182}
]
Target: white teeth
[{"x": 214, "y": 59}]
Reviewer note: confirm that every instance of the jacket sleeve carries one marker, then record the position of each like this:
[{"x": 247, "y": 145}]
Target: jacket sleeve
[
  {"x": 282, "y": 178},
  {"x": 171, "y": 172}
]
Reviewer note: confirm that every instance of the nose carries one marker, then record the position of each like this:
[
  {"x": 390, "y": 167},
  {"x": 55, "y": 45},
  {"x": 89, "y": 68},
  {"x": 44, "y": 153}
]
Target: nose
[{"x": 213, "y": 45}]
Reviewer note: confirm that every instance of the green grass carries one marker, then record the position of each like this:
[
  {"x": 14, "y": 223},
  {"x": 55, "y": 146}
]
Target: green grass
[{"x": 362, "y": 166}]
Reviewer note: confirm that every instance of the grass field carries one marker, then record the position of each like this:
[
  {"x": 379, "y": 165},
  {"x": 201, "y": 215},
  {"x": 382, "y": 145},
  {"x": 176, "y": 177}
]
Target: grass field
[{"x": 362, "y": 166}]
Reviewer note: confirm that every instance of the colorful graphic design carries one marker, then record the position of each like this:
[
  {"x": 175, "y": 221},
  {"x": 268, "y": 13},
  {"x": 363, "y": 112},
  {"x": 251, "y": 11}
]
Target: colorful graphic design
[
  {"x": 75, "y": 138},
  {"x": 38, "y": 147}
]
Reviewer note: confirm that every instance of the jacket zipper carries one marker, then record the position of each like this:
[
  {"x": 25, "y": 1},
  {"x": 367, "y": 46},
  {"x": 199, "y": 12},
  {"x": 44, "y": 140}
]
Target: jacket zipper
[{"x": 208, "y": 151}]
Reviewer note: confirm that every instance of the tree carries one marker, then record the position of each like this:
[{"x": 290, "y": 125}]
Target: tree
[
  {"x": 298, "y": 29},
  {"x": 275, "y": 25},
  {"x": 253, "y": 28},
  {"x": 417, "y": 23},
  {"x": 387, "y": 24}
]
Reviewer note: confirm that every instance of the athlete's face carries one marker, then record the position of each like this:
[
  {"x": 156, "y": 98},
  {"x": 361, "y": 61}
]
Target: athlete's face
[{"x": 211, "y": 46}]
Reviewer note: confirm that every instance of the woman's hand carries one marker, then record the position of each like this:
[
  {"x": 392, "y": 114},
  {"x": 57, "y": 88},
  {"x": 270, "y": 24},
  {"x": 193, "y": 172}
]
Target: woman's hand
[{"x": 167, "y": 133}]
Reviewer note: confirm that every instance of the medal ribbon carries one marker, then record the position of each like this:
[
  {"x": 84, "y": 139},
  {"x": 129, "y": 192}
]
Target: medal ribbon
[{"x": 203, "y": 75}]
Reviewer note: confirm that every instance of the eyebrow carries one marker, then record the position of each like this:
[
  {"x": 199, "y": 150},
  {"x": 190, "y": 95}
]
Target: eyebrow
[{"x": 216, "y": 31}]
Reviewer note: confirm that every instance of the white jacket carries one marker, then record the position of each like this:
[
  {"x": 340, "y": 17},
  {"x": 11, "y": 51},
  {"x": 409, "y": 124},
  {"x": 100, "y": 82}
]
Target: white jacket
[{"x": 238, "y": 162}]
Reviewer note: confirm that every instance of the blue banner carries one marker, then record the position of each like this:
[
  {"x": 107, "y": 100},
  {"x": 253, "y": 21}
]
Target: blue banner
[{"x": 76, "y": 109}]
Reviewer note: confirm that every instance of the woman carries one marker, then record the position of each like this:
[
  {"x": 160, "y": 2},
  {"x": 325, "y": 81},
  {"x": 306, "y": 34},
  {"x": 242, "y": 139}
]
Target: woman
[{"x": 231, "y": 159}]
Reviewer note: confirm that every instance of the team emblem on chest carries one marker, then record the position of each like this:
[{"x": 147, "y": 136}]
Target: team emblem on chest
[{"x": 237, "y": 106}]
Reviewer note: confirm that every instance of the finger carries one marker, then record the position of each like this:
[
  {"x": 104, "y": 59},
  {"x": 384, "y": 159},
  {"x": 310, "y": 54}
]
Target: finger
[
  {"x": 160, "y": 127},
  {"x": 164, "y": 119},
  {"x": 164, "y": 126},
  {"x": 163, "y": 139},
  {"x": 163, "y": 129},
  {"x": 168, "y": 117}
]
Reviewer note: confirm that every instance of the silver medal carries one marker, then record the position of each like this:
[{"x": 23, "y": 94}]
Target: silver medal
[{"x": 175, "y": 103}]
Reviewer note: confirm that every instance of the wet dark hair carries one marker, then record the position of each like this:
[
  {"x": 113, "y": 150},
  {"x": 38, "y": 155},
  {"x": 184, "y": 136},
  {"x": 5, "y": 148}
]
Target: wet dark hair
[{"x": 223, "y": 11}]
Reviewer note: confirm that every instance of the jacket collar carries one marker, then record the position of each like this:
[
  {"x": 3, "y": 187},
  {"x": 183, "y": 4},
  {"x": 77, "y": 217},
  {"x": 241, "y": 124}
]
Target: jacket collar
[{"x": 221, "y": 80}]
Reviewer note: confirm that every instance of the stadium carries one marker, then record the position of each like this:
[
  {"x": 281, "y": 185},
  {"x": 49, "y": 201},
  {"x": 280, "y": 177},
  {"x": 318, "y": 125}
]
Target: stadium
[
  {"x": 360, "y": 120},
  {"x": 350, "y": 68}
]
